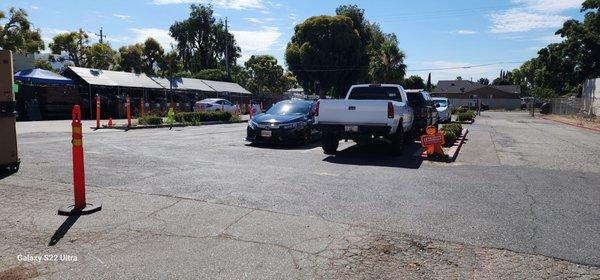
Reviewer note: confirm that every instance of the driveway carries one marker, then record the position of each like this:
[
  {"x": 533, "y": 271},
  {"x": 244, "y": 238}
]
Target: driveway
[{"x": 522, "y": 184}]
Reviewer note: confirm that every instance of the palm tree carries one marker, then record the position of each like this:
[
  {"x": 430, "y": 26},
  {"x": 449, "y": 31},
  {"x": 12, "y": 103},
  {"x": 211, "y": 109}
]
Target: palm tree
[{"x": 387, "y": 65}]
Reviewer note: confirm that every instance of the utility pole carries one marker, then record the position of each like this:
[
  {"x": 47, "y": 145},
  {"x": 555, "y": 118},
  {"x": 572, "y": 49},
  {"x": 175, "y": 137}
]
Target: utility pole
[
  {"x": 227, "y": 49},
  {"x": 101, "y": 35}
]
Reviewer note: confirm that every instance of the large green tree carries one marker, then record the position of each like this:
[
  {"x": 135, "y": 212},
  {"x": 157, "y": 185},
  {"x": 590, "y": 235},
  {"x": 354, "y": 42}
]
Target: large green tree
[
  {"x": 152, "y": 53},
  {"x": 100, "y": 56},
  {"x": 413, "y": 82},
  {"x": 202, "y": 40},
  {"x": 563, "y": 67},
  {"x": 387, "y": 64},
  {"x": 17, "y": 34},
  {"x": 267, "y": 77},
  {"x": 74, "y": 44},
  {"x": 325, "y": 50},
  {"x": 130, "y": 58}
]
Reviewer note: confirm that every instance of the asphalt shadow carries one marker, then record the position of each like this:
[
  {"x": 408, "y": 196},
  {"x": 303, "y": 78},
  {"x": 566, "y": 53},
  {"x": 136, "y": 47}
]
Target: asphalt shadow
[
  {"x": 63, "y": 229},
  {"x": 285, "y": 146},
  {"x": 378, "y": 154}
]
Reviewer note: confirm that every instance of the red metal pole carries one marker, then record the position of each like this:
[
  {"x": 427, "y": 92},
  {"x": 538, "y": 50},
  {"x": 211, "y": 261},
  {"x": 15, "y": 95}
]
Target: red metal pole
[
  {"x": 250, "y": 110},
  {"x": 97, "y": 111},
  {"x": 78, "y": 165},
  {"x": 143, "y": 105},
  {"x": 128, "y": 107}
]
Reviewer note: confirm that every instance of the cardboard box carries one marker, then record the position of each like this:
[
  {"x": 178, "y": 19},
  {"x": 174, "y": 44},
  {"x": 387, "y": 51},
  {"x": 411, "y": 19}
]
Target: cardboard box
[
  {"x": 6, "y": 76},
  {"x": 8, "y": 141}
]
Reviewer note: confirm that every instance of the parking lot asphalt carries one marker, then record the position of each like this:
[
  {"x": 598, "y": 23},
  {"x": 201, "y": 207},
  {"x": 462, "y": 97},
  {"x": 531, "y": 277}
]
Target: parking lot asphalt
[{"x": 519, "y": 183}]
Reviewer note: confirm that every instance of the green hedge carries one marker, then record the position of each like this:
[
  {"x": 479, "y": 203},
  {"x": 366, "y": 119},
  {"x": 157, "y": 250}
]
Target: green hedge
[
  {"x": 451, "y": 132},
  {"x": 466, "y": 116},
  {"x": 198, "y": 117},
  {"x": 150, "y": 120}
]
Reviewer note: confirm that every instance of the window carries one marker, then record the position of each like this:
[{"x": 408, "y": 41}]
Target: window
[{"x": 375, "y": 93}]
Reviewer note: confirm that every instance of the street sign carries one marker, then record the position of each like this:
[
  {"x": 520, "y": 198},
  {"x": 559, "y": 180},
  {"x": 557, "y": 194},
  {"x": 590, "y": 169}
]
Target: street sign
[
  {"x": 429, "y": 140},
  {"x": 433, "y": 141}
]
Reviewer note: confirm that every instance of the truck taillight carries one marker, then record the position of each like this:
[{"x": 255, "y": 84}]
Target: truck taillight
[
  {"x": 317, "y": 108},
  {"x": 390, "y": 110}
]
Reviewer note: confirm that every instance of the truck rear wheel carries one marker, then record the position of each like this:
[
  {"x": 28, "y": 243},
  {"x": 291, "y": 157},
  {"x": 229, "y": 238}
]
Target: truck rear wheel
[
  {"x": 330, "y": 143},
  {"x": 397, "y": 144}
]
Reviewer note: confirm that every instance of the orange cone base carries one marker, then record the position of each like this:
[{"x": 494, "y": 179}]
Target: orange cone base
[{"x": 71, "y": 211}]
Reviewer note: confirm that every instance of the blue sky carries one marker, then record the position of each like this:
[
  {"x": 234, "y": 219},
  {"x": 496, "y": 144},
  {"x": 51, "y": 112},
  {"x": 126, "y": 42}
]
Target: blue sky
[{"x": 434, "y": 34}]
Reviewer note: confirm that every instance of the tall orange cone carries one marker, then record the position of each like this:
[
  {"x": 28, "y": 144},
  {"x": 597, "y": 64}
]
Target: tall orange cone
[{"x": 81, "y": 207}]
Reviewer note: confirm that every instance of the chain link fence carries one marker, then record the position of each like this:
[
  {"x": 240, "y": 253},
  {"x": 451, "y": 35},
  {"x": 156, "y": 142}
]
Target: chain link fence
[{"x": 584, "y": 107}]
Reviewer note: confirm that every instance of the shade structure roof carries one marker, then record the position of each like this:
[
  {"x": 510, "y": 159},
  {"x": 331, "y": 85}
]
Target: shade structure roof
[
  {"x": 41, "y": 76},
  {"x": 114, "y": 78},
  {"x": 127, "y": 79},
  {"x": 226, "y": 87},
  {"x": 184, "y": 84}
]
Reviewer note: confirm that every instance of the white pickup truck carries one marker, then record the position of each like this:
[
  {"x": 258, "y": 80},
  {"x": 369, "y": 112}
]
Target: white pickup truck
[{"x": 369, "y": 111}]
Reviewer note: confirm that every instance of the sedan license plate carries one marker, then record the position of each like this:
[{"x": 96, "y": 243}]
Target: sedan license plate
[
  {"x": 266, "y": 133},
  {"x": 351, "y": 128}
]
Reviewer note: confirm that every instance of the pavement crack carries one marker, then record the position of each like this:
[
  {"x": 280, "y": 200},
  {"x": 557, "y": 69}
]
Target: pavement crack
[
  {"x": 236, "y": 221},
  {"x": 533, "y": 202},
  {"x": 151, "y": 214}
]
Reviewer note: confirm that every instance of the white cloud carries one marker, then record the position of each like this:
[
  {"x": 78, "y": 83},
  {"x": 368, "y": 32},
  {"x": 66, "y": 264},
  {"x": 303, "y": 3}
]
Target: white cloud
[
  {"x": 550, "y": 6},
  {"x": 256, "y": 41},
  {"x": 532, "y": 14},
  {"x": 255, "y": 20},
  {"x": 517, "y": 20},
  {"x": 466, "y": 32},
  {"x": 54, "y": 31},
  {"x": 227, "y": 4},
  {"x": 161, "y": 35},
  {"x": 123, "y": 17},
  {"x": 33, "y": 7},
  {"x": 550, "y": 39}
]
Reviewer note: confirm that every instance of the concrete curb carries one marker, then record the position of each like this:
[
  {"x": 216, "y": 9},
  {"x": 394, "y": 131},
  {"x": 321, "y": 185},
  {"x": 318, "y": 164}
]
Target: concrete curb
[
  {"x": 166, "y": 125},
  {"x": 454, "y": 150},
  {"x": 571, "y": 124}
]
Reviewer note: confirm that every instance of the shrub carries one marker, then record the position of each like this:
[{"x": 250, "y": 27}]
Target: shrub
[
  {"x": 198, "y": 117},
  {"x": 449, "y": 137},
  {"x": 150, "y": 120},
  {"x": 466, "y": 116},
  {"x": 455, "y": 110},
  {"x": 456, "y": 128}
]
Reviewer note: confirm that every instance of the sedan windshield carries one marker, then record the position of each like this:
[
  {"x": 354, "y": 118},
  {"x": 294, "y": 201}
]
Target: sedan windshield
[
  {"x": 290, "y": 108},
  {"x": 443, "y": 103}
]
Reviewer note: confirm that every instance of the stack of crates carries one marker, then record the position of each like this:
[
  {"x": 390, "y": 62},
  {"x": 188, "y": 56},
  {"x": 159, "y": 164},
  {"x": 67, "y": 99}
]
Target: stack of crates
[{"x": 9, "y": 158}]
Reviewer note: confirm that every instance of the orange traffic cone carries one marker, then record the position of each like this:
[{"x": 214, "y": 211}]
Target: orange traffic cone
[{"x": 110, "y": 124}]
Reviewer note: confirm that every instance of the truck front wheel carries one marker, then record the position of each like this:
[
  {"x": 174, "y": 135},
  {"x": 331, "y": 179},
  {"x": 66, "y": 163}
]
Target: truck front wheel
[{"x": 330, "y": 143}]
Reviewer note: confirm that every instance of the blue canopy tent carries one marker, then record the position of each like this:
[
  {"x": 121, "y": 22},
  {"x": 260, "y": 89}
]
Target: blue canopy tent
[{"x": 43, "y": 77}]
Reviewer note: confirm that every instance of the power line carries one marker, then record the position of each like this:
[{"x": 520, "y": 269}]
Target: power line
[{"x": 351, "y": 68}]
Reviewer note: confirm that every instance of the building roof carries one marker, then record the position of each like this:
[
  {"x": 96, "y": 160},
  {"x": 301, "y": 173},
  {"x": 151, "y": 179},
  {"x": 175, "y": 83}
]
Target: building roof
[
  {"x": 463, "y": 86},
  {"x": 126, "y": 79},
  {"x": 114, "y": 78},
  {"x": 484, "y": 92},
  {"x": 183, "y": 84},
  {"x": 455, "y": 86},
  {"x": 226, "y": 87}
]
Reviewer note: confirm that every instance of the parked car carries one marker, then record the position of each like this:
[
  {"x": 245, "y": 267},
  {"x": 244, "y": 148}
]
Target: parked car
[
  {"x": 214, "y": 104},
  {"x": 442, "y": 105},
  {"x": 290, "y": 121},
  {"x": 425, "y": 113},
  {"x": 368, "y": 112}
]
